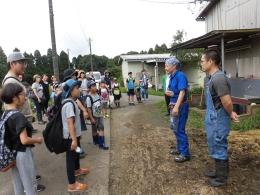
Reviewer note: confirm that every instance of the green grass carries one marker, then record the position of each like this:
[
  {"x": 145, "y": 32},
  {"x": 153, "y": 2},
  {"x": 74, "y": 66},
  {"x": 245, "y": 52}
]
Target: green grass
[
  {"x": 150, "y": 91},
  {"x": 196, "y": 120},
  {"x": 248, "y": 123}
]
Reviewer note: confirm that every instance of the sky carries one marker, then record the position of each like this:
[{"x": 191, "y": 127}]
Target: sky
[{"x": 114, "y": 26}]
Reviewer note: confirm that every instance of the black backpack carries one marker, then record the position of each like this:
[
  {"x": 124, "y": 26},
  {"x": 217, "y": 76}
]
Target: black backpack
[{"x": 53, "y": 133}]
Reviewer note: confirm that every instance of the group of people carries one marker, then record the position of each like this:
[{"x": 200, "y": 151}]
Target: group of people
[
  {"x": 140, "y": 89},
  {"x": 79, "y": 99},
  {"x": 219, "y": 113}
]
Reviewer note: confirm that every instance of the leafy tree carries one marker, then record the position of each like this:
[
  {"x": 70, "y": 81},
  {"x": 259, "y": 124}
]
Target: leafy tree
[
  {"x": 37, "y": 58},
  {"x": 63, "y": 62},
  {"x": 16, "y": 49},
  {"x": 3, "y": 67},
  {"x": 179, "y": 37},
  {"x": 150, "y": 51},
  {"x": 132, "y": 53}
]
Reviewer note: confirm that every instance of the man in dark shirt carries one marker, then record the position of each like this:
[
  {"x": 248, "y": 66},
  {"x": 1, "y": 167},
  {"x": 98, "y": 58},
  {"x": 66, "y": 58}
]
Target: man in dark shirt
[{"x": 218, "y": 115}]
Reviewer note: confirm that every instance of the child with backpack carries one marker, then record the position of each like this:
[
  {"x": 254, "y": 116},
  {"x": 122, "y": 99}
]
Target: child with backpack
[
  {"x": 138, "y": 94},
  {"x": 71, "y": 133},
  {"x": 16, "y": 141},
  {"x": 116, "y": 93},
  {"x": 93, "y": 103},
  {"x": 104, "y": 95},
  {"x": 130, "y": 88}
]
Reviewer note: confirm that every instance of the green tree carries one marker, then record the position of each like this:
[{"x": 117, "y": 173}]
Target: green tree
[
  {"x": 16, "y": 49},
  {"x": 150, "y": 51},
  {"x": 3, "y": 63},
  {"x": 179, "y": 37},
  {"x": 37, "y": 58},
  {"x": 63, "y": 62}
]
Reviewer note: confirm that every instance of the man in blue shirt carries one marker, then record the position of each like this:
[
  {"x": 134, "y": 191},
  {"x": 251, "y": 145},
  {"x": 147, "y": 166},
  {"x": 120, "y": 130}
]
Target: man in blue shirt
[{"x": 178, "y": 92}]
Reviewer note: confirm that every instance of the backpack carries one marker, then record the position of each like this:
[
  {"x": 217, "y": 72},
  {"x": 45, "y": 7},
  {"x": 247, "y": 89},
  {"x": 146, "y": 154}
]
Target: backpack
[
  {"x": 130, "y": 83},
  {"x": 53, "y": 133},
  {"x": 104, "y": 95},
  {"x": 52, "y": 110},
  {"x": 117, "y": 91},
  {"x": 95, "y": 106},
  {"x": 7, "y": 156}
]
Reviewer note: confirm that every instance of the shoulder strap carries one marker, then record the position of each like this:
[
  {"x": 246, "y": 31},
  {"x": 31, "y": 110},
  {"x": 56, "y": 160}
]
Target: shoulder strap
[
  {"x": 6, "y": 117},
  {"x": 66, "y": 101},
  {"x": 3, "y": 82}
]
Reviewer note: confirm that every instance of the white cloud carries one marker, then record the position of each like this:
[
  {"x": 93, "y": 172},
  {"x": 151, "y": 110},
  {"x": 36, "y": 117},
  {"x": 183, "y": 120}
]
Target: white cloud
[{"x": 115, "y": 26}]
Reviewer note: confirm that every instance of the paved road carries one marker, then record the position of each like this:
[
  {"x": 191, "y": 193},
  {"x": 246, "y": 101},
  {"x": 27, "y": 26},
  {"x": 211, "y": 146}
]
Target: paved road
[{"x": 52, "y": 168}]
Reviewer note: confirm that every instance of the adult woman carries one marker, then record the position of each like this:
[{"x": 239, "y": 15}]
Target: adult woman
[{"x": 38, "y": 98}]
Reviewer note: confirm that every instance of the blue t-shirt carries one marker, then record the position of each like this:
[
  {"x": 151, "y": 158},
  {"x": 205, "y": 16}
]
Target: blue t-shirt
[{"x": 178, "y": 82}]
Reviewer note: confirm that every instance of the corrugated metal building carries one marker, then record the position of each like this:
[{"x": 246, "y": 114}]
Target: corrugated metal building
[{"x": 234, "y": 27}]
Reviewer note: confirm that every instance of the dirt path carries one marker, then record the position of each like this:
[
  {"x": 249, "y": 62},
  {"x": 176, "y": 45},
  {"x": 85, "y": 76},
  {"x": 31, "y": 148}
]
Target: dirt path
[{"x": 140, "y": 163}]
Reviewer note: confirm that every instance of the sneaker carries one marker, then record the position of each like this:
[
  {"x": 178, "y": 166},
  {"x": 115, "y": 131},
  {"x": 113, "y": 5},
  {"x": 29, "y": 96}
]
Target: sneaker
[
  {"x": 181, "y": 158},
  {"x": 40, "y": 188},
  {"x": 107, "y": 115},
  {"x": 38, "y": 177},
  {"x": 174, "y": 152}
]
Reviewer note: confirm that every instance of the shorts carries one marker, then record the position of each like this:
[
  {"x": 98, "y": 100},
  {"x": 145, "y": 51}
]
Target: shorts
[
  {"x": 99, "y": 126},
  {"x": 131, "y": 92},
  {"x": 104, "y": 105}
]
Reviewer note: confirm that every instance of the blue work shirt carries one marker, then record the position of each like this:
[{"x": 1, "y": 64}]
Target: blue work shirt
[{"x": 178, "y": 82}]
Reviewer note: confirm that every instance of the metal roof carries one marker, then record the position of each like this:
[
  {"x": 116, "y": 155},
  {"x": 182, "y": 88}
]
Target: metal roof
[
  {"x": 146, "y": 57},
  {"x": 204, "y": 12},
  {"x": 231, "y": 37}
]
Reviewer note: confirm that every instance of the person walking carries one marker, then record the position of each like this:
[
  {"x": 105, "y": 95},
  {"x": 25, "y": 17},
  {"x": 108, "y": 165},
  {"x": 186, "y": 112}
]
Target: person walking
[
  {"x": 178, "y": 93},
  {"x": 218, "y": 116},
  {"x": 39, "y": 98}
]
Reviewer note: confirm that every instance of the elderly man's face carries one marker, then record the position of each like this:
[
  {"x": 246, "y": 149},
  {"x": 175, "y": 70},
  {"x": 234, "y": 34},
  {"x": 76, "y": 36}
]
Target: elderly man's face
[{"x": 170, "y": 68}]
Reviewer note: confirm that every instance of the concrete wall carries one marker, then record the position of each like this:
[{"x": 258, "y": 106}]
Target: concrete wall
[{"x": 234, "y": 14}]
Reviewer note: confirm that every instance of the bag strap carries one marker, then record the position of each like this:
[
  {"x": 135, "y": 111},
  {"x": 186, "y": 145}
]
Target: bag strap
[
  {"x": 66, "y": 101},
  {"x": 11, "y": 77},
  {"x": 5, "y": 118}
]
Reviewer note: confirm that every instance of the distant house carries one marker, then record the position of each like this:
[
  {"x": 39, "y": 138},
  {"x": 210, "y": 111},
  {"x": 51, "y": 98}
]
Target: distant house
[
  {"x": 233, "y": 26},
  {"x": 152, "y": 63}
]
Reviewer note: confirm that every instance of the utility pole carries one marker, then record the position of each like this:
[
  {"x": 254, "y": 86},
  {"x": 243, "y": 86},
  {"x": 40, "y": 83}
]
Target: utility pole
[
  {"x": 91, "y": 62},
  {"x": 53, "y": 42},
  {"x": 68, "y": 51}
]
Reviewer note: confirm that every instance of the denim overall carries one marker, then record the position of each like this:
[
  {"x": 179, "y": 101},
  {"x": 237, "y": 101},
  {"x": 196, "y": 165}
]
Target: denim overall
[
  {"x": 178, "y": 124},
  {"x": 217, "y": 124}
]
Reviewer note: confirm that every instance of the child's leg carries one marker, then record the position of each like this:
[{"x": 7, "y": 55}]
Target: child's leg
[
  {"x": 25, "y": 167},
  {"x": 17, "y": 182},
  {"x": 70, "y": 164},
  {"x": 95, "y": 134},
  {"x": 102, "y": 144},
  {"x": 77, "y": 163}
]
